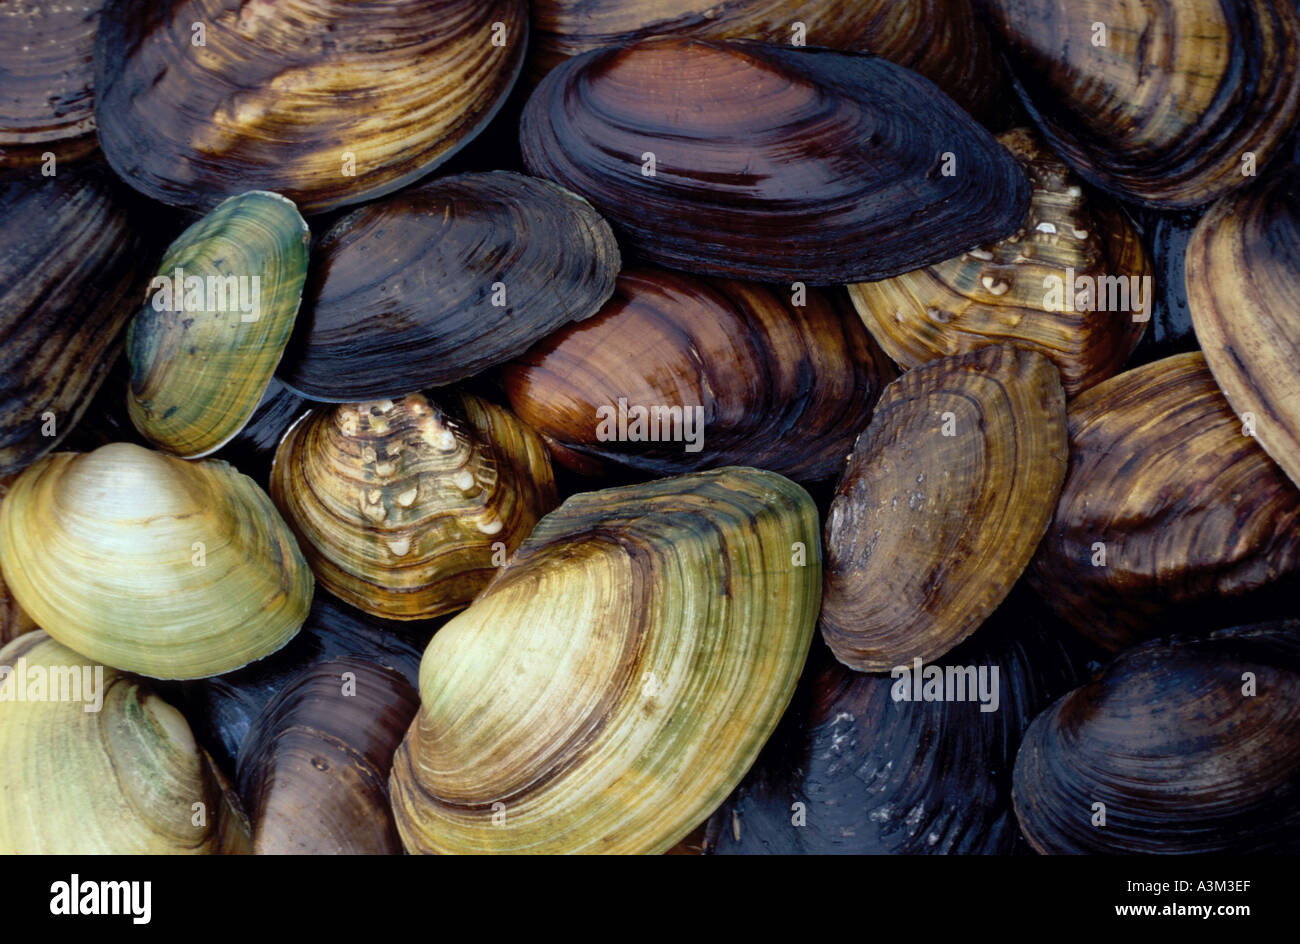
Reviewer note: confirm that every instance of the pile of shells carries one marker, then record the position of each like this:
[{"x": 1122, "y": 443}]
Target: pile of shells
[{"x": 624, "y": 427}]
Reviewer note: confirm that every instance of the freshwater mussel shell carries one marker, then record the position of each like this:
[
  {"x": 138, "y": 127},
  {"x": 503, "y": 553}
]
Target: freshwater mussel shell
[
  {"x": 1170, "y": 514},
  {"x": 71, "y": 261},
  {"x": 152, "y": 564},
  {"x": 406, "y": 508},
  {"x": 1243, "y": 288},
  {"x": 880, "y": 775},
  {"x": 1000, "y": 292},
  {"x": 313, "y": 772},
  {"x": 777, "y": 385},
  {"x": 126, "y": 778},
  {"x": 46, "y": 102},
  {"x": 1189, "y": 744},
  {"x": 279, "y": 96},
  {"x": 198, "y": 374},
  {"x": 652, "y": 636},
  {"x": 1167, "y": 108},
  {"x": 941, "y": 39},
  {"x": 443, "y": 281},
  {"x": 941, "y": 505},
  {"x": 772, "y": 163},
  {"x": 14, "y": 620}
]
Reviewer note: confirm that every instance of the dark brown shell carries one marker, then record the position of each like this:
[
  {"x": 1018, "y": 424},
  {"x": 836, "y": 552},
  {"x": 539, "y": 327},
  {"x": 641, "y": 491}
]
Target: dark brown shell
[
  {"x": 46, "y": 57},
  {"x": 280, "y": 95},
  {"x": 1189, "y": 744},
  {"x": 404, "y": 293},
  {"x": 1169, "y": 513},
  {"x": 772, "y": 163},
  {"x": 778, "y": 387},
  {"x": 72, "y": 257},
  {"x": 941, "y": 39},
  {"x": 875, "y": 775},
  {"x": 1157, "y": 102},
  {"x": 313, "y": 771},
  {"x": 941, "y": 505}
]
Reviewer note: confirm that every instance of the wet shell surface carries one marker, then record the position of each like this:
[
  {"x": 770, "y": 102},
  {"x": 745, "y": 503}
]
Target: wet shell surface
[
  {"x": 941, "y": 39},
  {"x": 652, "y": 636},
  {"x": 1166, "y": 104},
  {"x": 46, "y": 102},
  {"x": 725, "y": 373},
  {"x": 328, "y": 103},
  {"x": 405, "y": 509},
  {"x": 122, "y": 778},
  {"x": 1170, "y": 513},
  {"x": 314, "y": 770},
  {"x": 151, "y": 564},
  {"x": 1243, "y": 288},
  {"x": 941, "y": 505},
  {"x": 220, "y": 310},
  {"x": 771, "y": 163},
  {"x": 918, "y": 764},
  {"x": 443, "y": 281},
  {"x": 1182, "y": 745},
  {"x": 70, "y": 264},
  {"x": 1073, "y": 284}
]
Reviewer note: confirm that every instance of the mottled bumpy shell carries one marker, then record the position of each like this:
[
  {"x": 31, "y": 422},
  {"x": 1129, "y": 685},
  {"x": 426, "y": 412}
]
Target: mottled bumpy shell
[
  {"x": 151, "y": 564},
  {"x": 1182, "y": 745},
  {"x": 122, "y": 778},
  {"x": 770, "y": 383},
  {"x": 1025, "y": 290},
  {"x": 1243, "y": 288},
  {"x": 1166, "y": 104},
  {"x": 941, "y": 39},
  {"x": 46, "y": 103},
  {"x": 652, "y": 636},
  {"x": 772, "y": 163},
  {"x": 71, "y": 260},
  {"x": 329, "y": 103},
  {"x": 447, "y": 279},
  {"x": 198, "y": 373},
  {"x": 405, "y": 510},
  {"x": 875, "y": 774},
  {"x": 314, "y": 770},
  {"x": 941, "y": 505},
  {"x": 1169, "y": 510}
]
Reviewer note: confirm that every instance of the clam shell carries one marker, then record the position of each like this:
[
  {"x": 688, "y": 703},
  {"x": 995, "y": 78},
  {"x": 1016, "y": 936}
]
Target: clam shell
[
  {"x": 46, "y": 103},
  {"x": 941, "y": 505},
  {"x": 876, "y": 774},
  {"x": 1173, "y": 741},
  {"x": 404, "y": 510},
  {"x": 1004, "y": 291},
  {"x": 123, "y": 780},
  {"x": 773, "y": 385},
  {"x": 1169, "y": 514},
  {"x": 14, "y": 621},
  {"x": 150, "y": 564},
  {"x": 328, "y": 103},
  {"x": 198, "y": 373},
  {"x": 443, "y": 281},
  {"x": 941, "y": 39},
  {"x": 1243, "y": 287},
  {"x": 1163, "y": 103},
  {"x": 771, "y": 163},
  {"x": 651, "y": 635},
  {"x": 314, "y": 769},
  {"x": 70, "y": 262}
]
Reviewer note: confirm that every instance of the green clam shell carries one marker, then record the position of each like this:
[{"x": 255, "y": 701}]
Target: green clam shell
[{"x": 218, "y": 316}]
